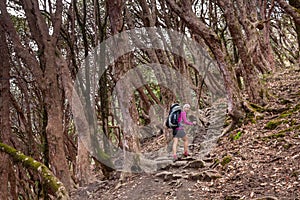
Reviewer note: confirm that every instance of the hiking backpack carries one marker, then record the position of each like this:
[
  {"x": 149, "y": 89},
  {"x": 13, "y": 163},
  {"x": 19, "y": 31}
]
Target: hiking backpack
[{"x": 172, "y": 120}]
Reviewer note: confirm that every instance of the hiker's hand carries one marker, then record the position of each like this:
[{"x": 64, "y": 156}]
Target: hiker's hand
[{"x": 194, "y": 123}]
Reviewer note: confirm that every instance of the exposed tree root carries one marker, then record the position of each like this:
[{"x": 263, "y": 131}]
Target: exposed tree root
[{"x": 229, "y": 128}]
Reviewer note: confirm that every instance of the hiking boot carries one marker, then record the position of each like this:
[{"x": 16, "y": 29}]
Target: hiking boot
[{"x": 186, "y": 154}]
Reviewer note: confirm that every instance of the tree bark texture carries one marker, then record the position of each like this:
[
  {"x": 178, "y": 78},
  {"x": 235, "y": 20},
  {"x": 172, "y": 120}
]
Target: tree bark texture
[
  {"x": 45, "y": 70},
  {"x": 5, "y": 127},
  {"x": 122, "y": 65},
  {"x": 291, "y": 9},
  {"x": 252, "y": 83},
  {"x": 212, "y": 41},
  {"x": 48, "y": 178},
  {"x": 296, "y": 5}
]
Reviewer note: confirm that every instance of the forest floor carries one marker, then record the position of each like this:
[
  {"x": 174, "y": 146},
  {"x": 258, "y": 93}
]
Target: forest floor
[{"x": 258, "y": 160}]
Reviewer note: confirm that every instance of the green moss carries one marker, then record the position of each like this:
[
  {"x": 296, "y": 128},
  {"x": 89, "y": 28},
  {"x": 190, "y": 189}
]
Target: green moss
[
  {"x": 275, "y": 136},
  {"x": 48, "y": 177},
  {"x": 285, "y": 115},
  {"x": 272, "y": 136},
  {"x": 253, "y": 121},
  {"x": 226, "y": 160},
  {"x": 296, "y": 108},
  {"x": 288, "y": 113},
  {"x": 257, "y": 108},
  {"x": 271, "y": 125},
  {"x": 104, "y": 158},
  {"x": 292, "y": 128},
  {"x": 103, "y": 155},
  {"x": 250, "y": 117},
  {"x": 236, "y": 136}
]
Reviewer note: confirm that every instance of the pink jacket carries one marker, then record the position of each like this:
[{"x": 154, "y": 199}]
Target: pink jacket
[{"x": 182, "y": 117}]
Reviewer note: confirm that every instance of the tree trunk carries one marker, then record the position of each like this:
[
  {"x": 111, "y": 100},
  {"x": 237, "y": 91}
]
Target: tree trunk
[
  {"x": 296, "y": 4},
  {"x": 291, "y": 9},
  {"x": 235, "y": 110},
  {"x": 122, "y": 65},
  {"x": 252, "y": 83},
  {"x": 54, "y": 129},
  {"x": 45, "y": 70},
  {"x": 83, "y": 170},
  {"x": 5, "y": 126},
  {"x": 48, "y": 177}
]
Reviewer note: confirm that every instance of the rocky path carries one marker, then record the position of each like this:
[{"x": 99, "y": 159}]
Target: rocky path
[{"x": 259, "y": 160}]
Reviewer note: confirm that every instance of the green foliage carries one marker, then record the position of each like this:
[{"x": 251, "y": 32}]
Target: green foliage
[
  {"x": 235, "y": 136},
  {"x": 226, "y": 160}
]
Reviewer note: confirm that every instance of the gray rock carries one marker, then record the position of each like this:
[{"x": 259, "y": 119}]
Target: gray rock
[
  {"x": 208, "y": 175},
  {"x": 211, "y": 175},
  {"x": 163, "y": 158},
  {"x": 195, "y": 164},
  {"x": 164, "y": 164},
  {"x": 196, "y": 176},
  {"x": 179, "y": 163}
]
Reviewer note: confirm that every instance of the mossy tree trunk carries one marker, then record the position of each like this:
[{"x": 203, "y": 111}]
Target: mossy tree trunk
[
  {"x": 47, "y": 177},
  {"x": 46, "y": 71}
]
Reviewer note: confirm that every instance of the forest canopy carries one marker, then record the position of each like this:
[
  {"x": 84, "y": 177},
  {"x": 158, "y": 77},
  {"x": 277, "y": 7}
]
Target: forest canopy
[{"x": 83, "y": 81}]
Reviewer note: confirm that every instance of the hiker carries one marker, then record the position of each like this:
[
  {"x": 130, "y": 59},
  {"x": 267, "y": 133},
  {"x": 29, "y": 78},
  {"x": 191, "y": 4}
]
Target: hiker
[{"x": 180, "y": 133}]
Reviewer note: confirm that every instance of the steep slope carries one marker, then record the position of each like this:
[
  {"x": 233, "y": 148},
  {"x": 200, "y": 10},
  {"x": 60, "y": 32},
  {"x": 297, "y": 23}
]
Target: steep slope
[{"x": 259, "y": 160}]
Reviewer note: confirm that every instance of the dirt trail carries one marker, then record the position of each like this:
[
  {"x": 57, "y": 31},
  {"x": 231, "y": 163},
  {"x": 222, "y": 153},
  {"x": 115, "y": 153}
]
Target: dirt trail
[{"x": 259, "y": 160}]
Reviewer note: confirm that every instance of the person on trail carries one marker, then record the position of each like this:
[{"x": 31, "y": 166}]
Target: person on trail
[{"x": 180, "y": 133}]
